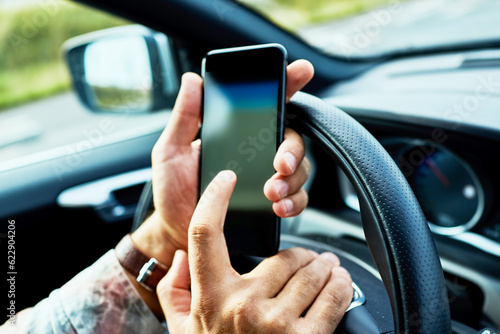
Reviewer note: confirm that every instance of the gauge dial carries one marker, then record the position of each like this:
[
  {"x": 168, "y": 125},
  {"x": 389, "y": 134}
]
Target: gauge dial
[{"x": 448, "y": 191}]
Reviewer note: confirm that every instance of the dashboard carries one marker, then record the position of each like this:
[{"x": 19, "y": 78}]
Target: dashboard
[
  {"x": 454, "y": 191},
  {"x": 438, "y": 117}
]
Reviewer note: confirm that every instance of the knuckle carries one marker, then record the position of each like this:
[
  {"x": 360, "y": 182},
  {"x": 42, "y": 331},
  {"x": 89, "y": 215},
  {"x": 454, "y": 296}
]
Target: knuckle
[
  {"x": 241, "y": 315},
  {"x": 325, "y": 263},
  {"x": 305, "y": 196},
  {"x": 331, "y": 313},
  {"x": 202, "y": 308},
  {"x": 294, "y": 257},
  {"x": 301, "y": 143},
  {"x": 305, "y": 282},
  {"x": 294, "y": 140},
  {"x": 245, "y": 313},
  {"x": 287, "y": 257},
  {"x": 343, "y": 277},
  {"x": 301, "y": 200},
  {"x": 275, "y": 321},
  {"x": 202, "y": 230},
  {"x": 295, "y": 136},
  {"x": 307, "y": 166},
  {"x": 337, "y": 297},
  {"x": 347, "y": 279},
  {"x": 305, "y": 279}
]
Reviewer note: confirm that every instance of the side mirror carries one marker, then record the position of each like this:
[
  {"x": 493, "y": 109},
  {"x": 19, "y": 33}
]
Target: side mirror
[{"x": 124, "y": 69}]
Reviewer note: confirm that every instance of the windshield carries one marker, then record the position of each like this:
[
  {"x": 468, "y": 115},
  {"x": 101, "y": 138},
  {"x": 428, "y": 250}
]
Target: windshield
[{"x": 367, "y": 28}]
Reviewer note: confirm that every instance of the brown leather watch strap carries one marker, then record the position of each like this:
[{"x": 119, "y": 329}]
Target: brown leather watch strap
[{"x": 148, "y": 271}]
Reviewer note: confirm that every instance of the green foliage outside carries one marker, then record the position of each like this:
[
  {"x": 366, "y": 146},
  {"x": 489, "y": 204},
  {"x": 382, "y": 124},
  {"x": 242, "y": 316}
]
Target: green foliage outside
[
  {"x": 31, "y": 62},
  {"x": 113, "y": 98},
  {"x": 295, "y": 14}
]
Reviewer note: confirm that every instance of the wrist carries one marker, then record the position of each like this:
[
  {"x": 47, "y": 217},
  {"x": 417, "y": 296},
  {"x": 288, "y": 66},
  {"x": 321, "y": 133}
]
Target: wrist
[
  {"x": 149, "y": 297},
  {"x": 151, "y": 240}
]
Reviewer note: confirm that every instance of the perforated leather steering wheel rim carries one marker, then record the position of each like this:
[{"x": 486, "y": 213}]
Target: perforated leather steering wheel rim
[{"x": 395, "y": 227}]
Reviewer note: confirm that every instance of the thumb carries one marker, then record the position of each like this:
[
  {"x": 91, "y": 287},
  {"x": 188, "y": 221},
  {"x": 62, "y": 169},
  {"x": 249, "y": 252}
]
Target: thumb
[
  {"x": 184, "y": 121},
  {"x": 174, "y": 293}
]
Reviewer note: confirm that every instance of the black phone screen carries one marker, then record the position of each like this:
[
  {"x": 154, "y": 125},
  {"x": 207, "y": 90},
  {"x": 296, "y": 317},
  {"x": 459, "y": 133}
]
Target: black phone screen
[{"x": 241, "y": 129}]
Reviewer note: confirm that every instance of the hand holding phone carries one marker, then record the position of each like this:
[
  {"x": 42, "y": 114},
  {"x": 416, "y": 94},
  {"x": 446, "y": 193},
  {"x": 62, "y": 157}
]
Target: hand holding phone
[{"x": 242, "y": 127}]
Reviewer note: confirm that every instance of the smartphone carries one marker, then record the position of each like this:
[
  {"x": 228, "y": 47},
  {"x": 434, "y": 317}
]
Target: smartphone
[{"x": 242, "y": 127}]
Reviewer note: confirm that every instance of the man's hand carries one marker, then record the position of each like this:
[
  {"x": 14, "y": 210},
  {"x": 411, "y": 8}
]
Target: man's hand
[
  {"x": 175, "y": 161},
  {"x": 207, "y": 295}
]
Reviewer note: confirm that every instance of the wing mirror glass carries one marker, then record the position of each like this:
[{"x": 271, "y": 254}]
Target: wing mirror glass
[
  {"x": 124, "y": 69},
  {"x": 118, "y": 74}
]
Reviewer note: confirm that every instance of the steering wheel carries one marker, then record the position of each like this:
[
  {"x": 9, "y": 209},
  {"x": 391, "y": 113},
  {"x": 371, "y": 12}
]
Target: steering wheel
[{"x": 396, "y": 230}]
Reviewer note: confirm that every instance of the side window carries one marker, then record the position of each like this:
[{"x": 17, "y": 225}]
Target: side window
[{"x": 40, "y": 114}]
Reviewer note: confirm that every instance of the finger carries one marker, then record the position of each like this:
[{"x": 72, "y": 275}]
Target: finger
[
  {"x": 185, "y": 119},
  {"x": 174, "y": 294},
  {"x": 303, "y": 287},
  {"x": 290, "y": 153},
  {"x": 280, "y": 267},
  {"x": 292, "y": 205},
  {"x": 298, "y": 74},
  {"x": 332, "y": 302},
  {"x": 208, "y": 256},
  {"x": 279, "y": 187}
]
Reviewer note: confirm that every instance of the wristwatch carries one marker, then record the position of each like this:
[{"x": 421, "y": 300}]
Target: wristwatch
[{"x": 148, "y": 271}]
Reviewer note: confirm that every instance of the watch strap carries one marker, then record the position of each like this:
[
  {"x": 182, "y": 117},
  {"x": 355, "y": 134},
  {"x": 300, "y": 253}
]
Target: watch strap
[{"x": 148, "y": 271}]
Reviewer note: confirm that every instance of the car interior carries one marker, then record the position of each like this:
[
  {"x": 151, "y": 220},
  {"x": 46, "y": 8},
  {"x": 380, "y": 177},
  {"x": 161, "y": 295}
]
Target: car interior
[{"x": 404, "y": 148}]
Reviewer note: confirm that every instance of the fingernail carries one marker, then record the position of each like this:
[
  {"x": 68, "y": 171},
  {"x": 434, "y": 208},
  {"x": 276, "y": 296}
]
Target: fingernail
[
  {"x": 315, "y": 254},
  {"x": 288, "y": 205},
  {"x": 290, "y": 159},
  {"x": 281, "y": 188},
  {"x": 330, "y": 257},
  {"x": 226, "y": 175}
]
